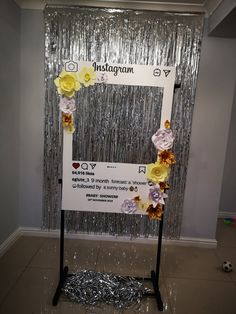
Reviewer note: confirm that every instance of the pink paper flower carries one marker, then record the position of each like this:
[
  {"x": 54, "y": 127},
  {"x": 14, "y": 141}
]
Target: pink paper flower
[
  {"x": 102, "y": 77},
  {"x": 67, "y": 105},
  {"x": 163, "y": 139}
]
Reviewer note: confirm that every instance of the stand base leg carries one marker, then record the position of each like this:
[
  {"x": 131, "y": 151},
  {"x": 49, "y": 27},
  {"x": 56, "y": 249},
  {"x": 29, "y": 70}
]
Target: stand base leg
[
  {"x": 157, "y": 291},
  {"x": 57, "y": 294}
]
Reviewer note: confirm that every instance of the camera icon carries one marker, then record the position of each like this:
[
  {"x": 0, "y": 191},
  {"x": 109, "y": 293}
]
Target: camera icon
[{"x": 71, "y": 66}]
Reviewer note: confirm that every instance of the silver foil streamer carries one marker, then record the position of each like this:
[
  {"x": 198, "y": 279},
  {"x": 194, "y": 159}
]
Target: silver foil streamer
[
  {"x": 89, "y": 287},
  {"x": 116, "y": 123}
]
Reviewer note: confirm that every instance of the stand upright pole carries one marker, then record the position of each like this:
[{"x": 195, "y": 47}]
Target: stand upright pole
[
  {"x": 159, "y": 248},
  {"x": 63, "y": 270},
  {"x": 155, "y": 276}
]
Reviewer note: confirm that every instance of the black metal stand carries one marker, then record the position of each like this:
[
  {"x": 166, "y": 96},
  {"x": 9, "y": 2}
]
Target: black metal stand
[
  {"x": 63, "y": 270},
  {"x": 154, "y": 274}
]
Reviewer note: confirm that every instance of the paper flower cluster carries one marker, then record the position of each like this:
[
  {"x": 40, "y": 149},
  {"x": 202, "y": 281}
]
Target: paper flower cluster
[
  {"x": 157, "y": 176},
  {"x": 68, "y": 83},
  {"x": 158, "y": 172}
]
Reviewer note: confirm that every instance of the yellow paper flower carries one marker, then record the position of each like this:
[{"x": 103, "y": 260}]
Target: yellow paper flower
[
  {"x": 157, "y": 172},
  {"x": 67, "y": 83},
  {"x": 143, "y": 205},
  {"x": 166, "y": 157},
  {"x": 70, "y": 129},
  {"x": 87, "y": 76},
  {"x": 155, "y": 212}
]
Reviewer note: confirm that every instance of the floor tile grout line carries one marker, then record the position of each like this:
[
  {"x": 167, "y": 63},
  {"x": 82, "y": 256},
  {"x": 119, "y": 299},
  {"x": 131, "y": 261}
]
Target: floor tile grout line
[
  {"x": 220, "y": 245},
  {"x": 21, "y": 274},
  {"x": 198, "y": 279},
  {"x": 98, "y": 254},
  {"x": 167, "y": 297},
  {"x": 163, "y": 288},
  {"x": 12, "y": 286},
  {"x": 43, "y": 267},
  {"x": 36, "y": 252}
]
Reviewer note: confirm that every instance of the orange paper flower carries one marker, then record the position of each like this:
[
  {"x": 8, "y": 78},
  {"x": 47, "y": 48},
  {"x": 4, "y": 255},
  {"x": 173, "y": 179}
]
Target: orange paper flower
[
  {"x": 137, "y": 198},
  {"x": 67, "y": 119},
  {"x": 164, "y": 186},
  {"x": 167, "y": 124},
  {"x": 155, "y": 213},
  {"x": 68, "y": 122},
  {"x": 166, "y": 157}
]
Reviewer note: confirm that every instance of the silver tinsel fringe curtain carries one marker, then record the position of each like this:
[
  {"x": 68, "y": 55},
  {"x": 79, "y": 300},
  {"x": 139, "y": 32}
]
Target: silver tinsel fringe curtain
[{"x": 115, "y": 123}]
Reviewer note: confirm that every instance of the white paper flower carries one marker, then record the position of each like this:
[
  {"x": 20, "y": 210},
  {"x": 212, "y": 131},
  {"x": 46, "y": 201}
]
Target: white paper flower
[
  {"x": 87, "y": 76},
  {"x": 102, "y": 77},
  {"x": 156, "y": 195},
  {"x": 128, "y": 206},
  {"x": 163, "y": 139},
  {"x": 67, "y": 105}
]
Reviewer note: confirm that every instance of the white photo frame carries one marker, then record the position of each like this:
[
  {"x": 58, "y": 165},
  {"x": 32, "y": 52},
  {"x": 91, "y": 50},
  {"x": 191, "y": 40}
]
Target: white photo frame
[{"x": 103, "y": 186}]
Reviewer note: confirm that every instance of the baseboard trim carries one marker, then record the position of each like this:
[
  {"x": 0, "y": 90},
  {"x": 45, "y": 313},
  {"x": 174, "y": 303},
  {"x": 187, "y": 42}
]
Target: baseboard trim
[
  {"x": 36, "y": 232},
  {"x": 10, "y": 241},
  {"x": 182, "y": 241},
  {"x": 197, "y": 242},
  {"x": 226, "y": 214}
]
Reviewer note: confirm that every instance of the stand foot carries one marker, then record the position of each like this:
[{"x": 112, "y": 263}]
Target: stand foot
[
  {"x": 157, "y": 291},
  {"x": 57, "y": 294}
]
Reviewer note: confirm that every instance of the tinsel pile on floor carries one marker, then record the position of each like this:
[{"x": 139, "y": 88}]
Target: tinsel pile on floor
[{"x": 90, "y": 287}]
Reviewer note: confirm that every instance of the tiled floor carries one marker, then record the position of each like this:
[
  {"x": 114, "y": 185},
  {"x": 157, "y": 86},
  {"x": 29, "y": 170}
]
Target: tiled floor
[{"x": 191, "y": 282}]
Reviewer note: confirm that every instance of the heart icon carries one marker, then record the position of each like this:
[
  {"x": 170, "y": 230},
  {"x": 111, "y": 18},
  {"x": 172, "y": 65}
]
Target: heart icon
[{"x": 76, "y": 165}]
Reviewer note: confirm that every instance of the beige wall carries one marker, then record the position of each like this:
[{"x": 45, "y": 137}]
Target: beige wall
[
  {"x": 31, "y": 117},
  {"x": 228, "y": 192},
  {"x": 9, "y": 117},
  {"x": 211, "y": 119}
]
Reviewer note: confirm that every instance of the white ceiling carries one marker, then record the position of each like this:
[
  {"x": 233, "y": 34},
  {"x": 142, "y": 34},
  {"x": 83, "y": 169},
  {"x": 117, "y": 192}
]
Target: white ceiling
[
  {"x": 170, "y": 5},
  {"x": 221, "y": 14}
]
